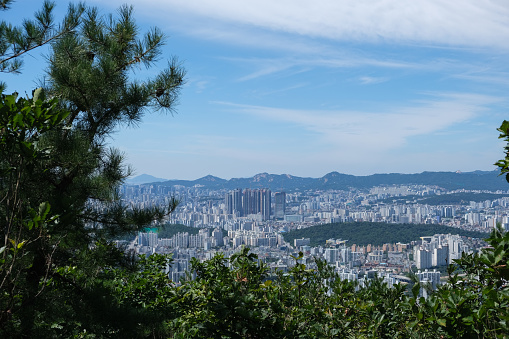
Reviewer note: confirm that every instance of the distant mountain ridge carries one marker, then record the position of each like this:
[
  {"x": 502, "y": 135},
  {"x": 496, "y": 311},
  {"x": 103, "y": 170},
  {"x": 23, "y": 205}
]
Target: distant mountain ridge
[
  {"x": 477, "y": 180},
  {"x": 143, "y": 179}
]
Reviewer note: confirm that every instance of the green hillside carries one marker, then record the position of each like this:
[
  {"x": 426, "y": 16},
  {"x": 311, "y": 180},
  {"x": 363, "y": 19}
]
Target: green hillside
[
  {"x": 169, "y": 230},
  {"x": 375, "y": 233},
  {"x": 461, "y": 198}
]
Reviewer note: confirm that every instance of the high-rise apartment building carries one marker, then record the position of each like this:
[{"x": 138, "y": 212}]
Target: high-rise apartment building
[
  {"x": 248, "y": 202},
  {"x": 279, "y": 205},
  {"x": 331, "y": 255},
  {"x": 265, "y": 203},
  {"x": 237, "y": 202},
  {"x": 233, "y": 202},
  {"x": 244, "y": 203},
  {"x": 423, "y": 258},
  {"x": 431, "y": 276}
]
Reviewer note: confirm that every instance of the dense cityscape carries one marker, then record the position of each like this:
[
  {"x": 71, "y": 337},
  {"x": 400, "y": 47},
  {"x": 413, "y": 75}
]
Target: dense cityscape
[
  {"x": 408, "y": 240},
  {"x": 226, "y": 220}
]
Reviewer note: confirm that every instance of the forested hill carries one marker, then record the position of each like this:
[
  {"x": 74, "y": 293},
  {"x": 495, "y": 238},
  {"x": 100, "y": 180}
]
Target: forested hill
[
  {"x": 462, "y": 198},
  {"x": 478, "y": 180},
  {"x": 169, "y": 230},
  {"x": 374, "y": 233}
]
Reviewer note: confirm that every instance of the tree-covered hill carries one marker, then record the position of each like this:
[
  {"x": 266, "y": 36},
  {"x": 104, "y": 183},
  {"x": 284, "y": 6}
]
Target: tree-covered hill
[
  {"x": 461, "y": 198},
  {"x": 446, "y": 199},
  {"x": 374, "y": 233},
  {"x": 169, "y": 230}
]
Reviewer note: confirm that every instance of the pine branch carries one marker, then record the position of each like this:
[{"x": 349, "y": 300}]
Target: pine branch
[
  {"x": 4, "y": 4},
  {"x": 15, "y": 55},
  {"x": 34, "y": 34}
]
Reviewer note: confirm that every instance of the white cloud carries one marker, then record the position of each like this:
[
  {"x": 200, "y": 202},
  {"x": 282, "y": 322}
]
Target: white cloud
[
  {"x": 497, "y": 79},
  {"x": 292, "y": 26},
  {"x": 441, "y": 40},
  {"x": 279, "y": 90},
  {"x": 457, "y": 23},
  {"x": 201, "y": 85},
  {"x": 366, "y": 80},
  {"x": 292, "y": 66},
  {"x": 378, "y": 131}
]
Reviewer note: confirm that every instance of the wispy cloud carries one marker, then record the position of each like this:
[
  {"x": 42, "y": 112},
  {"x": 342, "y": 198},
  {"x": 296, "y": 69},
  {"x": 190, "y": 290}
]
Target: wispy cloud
[
  {"x": 327, "y": 33},
  {"x": 498, "y": 79},
  {"x": 338, "y": 50},
  {"x": 291, "y": 66},
  {"x": 280, "y": 90},
  {"x": 366, "y": 80},
  {"x": 382, "y": 130},
  {"x": 468, "y": 23},
  {"x": 471, "y": 69}
]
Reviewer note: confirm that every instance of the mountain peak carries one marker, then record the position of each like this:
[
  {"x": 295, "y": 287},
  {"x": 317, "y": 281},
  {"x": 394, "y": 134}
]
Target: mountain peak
[
  {"x": 211, "y": 178},
  {"x": 332, "y": 174},
  {"x": 143, "y": 179},
  {"x": 260, "y": 176}
]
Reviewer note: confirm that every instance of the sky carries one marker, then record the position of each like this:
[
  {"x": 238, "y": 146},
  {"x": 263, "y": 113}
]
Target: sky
[{"x": 310, "y": 87}]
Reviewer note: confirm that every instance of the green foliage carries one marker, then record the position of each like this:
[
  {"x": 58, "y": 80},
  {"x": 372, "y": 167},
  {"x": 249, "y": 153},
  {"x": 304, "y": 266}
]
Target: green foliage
[
  {"x": 91, "y": 71},
  {"x": 375, "y": 233},
  {"x": 237, "y": 298},
  {"x": 145, "y": 295},
  {"x": 503, "y": 164},
  {"x": 58, "y": 208},
  {"x": 169, "y": 230},
  {"x": 61, "y": 277},
  {"x": 25, "y": 223},
  {"x": 474, "y": 305},
  {"x": 460, "y": 198},
  {"x": 59, "y": 204},
  {"x": 225, "y": 301}
]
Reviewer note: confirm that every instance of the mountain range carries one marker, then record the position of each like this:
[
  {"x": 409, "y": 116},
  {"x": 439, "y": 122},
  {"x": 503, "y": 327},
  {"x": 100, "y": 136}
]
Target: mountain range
[
  {"x": 143, "y": 179},
  {"x": 477, "y": 180}
]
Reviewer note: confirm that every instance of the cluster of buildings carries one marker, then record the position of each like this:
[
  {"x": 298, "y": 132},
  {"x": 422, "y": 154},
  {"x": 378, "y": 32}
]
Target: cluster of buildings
[
  {"x": 255, "y": 204},
  {"x": 202, "y": 207},
  {"x": 229, "y": 219},
  {"x": 149, "y": 242},
  {"x": 439, "y": 250},
  {"x": 352, "y": 263}
]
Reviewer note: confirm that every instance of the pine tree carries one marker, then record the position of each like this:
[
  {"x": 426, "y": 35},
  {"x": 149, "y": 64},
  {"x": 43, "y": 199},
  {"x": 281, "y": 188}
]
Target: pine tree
[
  {"x": 16, "y": 41},
  {"x": 59, "y": 182}
]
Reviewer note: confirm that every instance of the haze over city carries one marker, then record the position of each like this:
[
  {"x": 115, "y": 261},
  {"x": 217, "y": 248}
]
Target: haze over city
[{"x": 307, "y": 88}]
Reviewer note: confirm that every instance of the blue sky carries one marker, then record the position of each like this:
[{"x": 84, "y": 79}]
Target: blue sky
[{"x": 310, "y": 87}]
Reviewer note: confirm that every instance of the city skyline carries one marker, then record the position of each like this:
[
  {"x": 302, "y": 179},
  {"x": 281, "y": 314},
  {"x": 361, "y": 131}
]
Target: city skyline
[{"x": 310, "y": 88}]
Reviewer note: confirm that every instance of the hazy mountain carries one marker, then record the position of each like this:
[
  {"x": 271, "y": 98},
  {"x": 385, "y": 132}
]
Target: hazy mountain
[
  {"x": 477, "y": 180},
  {"x": 143, "y": 179}
]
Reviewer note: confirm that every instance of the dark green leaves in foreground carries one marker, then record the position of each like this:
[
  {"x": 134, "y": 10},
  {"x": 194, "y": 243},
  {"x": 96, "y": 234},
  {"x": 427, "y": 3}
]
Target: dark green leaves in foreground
[
  {"x": 239, "y": 298},
  {"x": 503, "y": 164}
]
